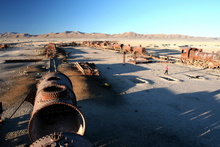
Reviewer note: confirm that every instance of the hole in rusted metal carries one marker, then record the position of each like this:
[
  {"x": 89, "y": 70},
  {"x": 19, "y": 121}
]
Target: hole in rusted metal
[
  {"x": 56, "y": 118},
  {"x": 53, "y": 78},
  {"x": 54, "y": 88}
]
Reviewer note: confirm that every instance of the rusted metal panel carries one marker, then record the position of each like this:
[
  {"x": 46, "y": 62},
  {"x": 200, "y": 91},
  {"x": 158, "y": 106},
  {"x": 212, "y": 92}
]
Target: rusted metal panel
[
  {"x": 55, "y": 108},
  {"x": 87, "y": 68}
]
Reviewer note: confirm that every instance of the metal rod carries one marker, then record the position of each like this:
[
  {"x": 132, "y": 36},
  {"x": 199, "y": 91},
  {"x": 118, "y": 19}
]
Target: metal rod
[
  {"x": 17, "y": 108},
  {"x": 124, "y": 57},
  {"x": 135, "y": 57}
]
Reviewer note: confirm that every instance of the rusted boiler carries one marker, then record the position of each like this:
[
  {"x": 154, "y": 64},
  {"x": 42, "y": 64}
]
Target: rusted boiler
[
  {"x": 195, "y": 56},
  {"x": 139, "y": 49},
  {"x": 55, "y": 110}
]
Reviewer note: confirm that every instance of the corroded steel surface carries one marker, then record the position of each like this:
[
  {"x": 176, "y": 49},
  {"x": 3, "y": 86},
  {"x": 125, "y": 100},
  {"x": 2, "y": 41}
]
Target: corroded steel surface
[{"x": 55, "y": 108}]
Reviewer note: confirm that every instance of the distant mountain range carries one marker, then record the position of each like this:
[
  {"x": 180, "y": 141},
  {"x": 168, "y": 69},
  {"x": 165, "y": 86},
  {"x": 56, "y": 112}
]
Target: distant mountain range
[{"x": 77, "y": 34}]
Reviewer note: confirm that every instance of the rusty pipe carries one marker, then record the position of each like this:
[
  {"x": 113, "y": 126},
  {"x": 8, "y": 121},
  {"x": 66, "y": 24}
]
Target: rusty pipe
[{"x": 55, "y": 108}]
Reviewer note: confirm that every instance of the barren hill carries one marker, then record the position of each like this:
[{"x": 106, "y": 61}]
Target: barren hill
[{"x": 77, "y": 34}]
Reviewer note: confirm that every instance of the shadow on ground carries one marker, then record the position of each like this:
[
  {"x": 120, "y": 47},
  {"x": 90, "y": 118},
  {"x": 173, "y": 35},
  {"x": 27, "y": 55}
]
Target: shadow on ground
[
  {"x": 16, "y": 125},
  {"x": 169, "y": 52},
  {"x": 149, "y": 118}
]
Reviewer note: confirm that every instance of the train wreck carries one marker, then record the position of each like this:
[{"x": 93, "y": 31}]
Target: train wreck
[
  {"x": 195, "y": 56},
  {"x": 55, "y": 119}
]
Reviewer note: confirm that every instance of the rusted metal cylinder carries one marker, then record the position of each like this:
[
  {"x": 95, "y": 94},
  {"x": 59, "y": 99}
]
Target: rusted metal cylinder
[{"x": 55, "y": 108}]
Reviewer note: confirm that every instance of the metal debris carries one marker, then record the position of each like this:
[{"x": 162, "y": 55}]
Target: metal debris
[{"x": 87, "y": 68}]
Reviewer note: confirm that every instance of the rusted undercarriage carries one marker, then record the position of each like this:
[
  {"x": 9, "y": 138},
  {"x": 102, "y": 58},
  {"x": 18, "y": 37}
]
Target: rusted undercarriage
[{"x": 55, "y": 111}]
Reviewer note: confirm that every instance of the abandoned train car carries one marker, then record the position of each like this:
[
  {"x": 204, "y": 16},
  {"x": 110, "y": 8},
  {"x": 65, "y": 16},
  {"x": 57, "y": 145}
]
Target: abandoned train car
[{"x": 195, "y": 56}]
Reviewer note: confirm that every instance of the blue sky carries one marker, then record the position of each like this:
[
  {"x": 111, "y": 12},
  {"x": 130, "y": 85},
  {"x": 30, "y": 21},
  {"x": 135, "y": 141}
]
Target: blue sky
[{"x": 186, "y": 17}]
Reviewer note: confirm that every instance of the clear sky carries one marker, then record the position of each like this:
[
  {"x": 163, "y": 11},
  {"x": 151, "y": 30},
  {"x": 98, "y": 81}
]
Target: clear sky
[{"x": 186, "y": 17}]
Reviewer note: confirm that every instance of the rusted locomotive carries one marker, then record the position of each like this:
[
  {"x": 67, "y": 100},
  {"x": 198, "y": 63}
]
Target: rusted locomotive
[
  {"x": 195, "y": 56},
  {"x": 56, "y": 120},
  {"x": 50, "y": 50}
]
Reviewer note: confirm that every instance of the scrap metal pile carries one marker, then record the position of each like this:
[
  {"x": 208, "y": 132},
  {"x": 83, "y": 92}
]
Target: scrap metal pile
[{"x": 87, "y": 68}]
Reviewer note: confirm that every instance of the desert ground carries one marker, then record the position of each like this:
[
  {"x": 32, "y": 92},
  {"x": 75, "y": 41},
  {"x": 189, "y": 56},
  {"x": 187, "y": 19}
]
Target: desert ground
[{"x": 142, "y": 107}]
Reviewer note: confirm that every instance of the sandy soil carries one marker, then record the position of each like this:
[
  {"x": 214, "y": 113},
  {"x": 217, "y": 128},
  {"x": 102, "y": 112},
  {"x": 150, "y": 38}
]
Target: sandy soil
[{"x": 143, "y": 107}]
